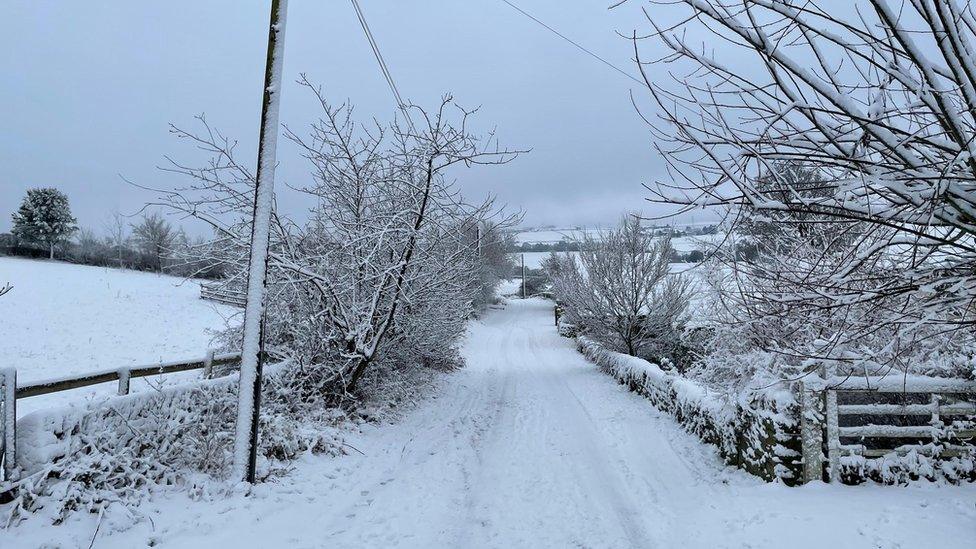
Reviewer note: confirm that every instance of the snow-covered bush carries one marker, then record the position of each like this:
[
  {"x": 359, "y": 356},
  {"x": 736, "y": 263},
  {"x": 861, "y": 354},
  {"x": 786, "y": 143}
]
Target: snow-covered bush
[
  {"x": 619, "y": 290},
  {"x": 391, "y": 262}
]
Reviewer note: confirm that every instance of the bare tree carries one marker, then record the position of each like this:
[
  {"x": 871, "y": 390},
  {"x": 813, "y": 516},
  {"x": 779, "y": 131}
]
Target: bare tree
[
  {"x": 89, "y": 249},
  {"x": 882, "y": 108},
  {"x": 155, "y": 237},
  {"x": 118, "y": 238},
  {"x": 385, "y": 264},
  {"x": 619, "y": 290}
]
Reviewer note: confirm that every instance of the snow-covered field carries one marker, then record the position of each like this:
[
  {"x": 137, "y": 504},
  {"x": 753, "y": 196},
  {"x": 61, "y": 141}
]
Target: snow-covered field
[
  {"x": 531, "y": 446},
  {"x": 62, "y": 319},
  {"x": 533, "y": 260},
  {"x": 553, "y": 235},
  {"x": 684, "y": 244}
]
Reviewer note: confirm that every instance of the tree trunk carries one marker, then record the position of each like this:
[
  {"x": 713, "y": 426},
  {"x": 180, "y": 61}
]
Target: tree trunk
[
  {"x": 357, "y": 373},
  {"x": 52, "y": 250}
]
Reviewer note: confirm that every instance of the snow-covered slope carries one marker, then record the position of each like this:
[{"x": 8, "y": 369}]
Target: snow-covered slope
[
  {"x": 554, "y": 235},
  {"x": 62, "y": 319},
  {"x": 531, "y": 446}
]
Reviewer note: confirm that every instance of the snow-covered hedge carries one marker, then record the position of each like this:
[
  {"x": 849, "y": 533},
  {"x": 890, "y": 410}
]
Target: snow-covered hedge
[
  {"x": 85, "y": 458},
  {"x": 759, "y": 434}
]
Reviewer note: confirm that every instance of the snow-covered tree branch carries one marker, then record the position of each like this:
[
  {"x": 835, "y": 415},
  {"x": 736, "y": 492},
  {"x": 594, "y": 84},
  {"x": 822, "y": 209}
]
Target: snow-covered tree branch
[{"x": 879, "y": 109}]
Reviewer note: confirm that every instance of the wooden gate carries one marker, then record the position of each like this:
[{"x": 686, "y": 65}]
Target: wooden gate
[{"x": 880, "y": 416}]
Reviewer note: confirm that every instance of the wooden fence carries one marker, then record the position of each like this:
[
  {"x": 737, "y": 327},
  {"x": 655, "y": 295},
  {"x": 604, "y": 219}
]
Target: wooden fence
[
  {"x": 11, "y": 392},
  {"x": 222, "y": 294},
  {"x": 831, "y": 409}
]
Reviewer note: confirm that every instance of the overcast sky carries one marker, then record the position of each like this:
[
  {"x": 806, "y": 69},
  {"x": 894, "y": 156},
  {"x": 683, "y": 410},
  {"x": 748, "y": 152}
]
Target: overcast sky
[{"x": 90, "y": 87}]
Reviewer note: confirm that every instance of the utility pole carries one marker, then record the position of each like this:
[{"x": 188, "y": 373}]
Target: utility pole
[
  {"x": 523, "y": 276},
  {"x": 252, "y": 351}
]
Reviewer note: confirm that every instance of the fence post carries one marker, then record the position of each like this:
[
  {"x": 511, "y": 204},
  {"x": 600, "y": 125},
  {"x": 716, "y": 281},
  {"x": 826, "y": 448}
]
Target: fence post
[
  {"x": 208, "y": 364},
  {"x": 833, "y": 436},
  {"x": 8, "y": 396},
  {"x": 124, "y": 376},
  {"x": 811, "y": 434}
]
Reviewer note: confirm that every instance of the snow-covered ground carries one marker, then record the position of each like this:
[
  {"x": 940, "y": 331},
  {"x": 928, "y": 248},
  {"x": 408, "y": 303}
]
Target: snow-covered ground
[
  {"x": 62, "y": 319},
  {"x": 533, "y": 260},
  {"x": 554, "y": 235},
  {"x": 701, "y": 242},
  {"x": 509, "y": 287},
  {"x": 531, "y": 446}
]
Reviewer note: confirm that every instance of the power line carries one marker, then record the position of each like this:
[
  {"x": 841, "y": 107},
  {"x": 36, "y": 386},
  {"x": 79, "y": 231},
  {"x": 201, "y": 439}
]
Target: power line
[
  {"x": 384, "y": 68},
  {"x": 578, "y": 45}
]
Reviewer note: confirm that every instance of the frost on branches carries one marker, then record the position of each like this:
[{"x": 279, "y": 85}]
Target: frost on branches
[
  {"x": 388, "y": 267},
  {"x": 855, "y": 144}
]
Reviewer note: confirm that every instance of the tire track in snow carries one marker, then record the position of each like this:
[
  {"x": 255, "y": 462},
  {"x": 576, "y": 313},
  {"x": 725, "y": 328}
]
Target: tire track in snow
[{"x": 592, "y": 447}]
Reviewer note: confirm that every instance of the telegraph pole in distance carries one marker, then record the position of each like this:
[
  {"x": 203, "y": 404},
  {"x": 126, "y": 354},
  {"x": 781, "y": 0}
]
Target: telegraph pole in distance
[{"x": 523, "y": 276}]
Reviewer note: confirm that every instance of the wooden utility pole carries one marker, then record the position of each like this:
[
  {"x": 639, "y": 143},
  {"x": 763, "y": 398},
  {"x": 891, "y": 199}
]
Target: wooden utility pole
[
  {"x": 523, "y": 276},
  {"x": 252, "y": 352}
]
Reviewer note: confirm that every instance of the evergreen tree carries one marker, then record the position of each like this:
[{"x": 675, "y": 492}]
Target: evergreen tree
[{"x": 44, "y": 217}]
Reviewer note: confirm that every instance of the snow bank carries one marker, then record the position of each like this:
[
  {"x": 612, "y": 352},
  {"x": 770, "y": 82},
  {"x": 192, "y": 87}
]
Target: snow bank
[{"x": 759, "y": 434}]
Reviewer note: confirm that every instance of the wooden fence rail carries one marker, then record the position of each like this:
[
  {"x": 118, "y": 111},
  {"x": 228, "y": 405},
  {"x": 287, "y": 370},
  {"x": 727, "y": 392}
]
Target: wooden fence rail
[
  {"x": 221, "y": 294},
  {"x": 11, "y": 392},
  {"x": 822, "y": 426}
]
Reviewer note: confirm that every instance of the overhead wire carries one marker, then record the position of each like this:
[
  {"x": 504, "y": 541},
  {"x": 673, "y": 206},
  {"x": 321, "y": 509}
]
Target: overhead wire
[
  {"x": 388, "y": 76},
  {"x": 574, "y": 43},
  {"x": 384, "y": 68}
]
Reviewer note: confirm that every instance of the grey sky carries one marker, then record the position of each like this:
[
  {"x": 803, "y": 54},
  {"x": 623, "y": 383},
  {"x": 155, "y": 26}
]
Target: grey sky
[{"x": 89, "y": 88}]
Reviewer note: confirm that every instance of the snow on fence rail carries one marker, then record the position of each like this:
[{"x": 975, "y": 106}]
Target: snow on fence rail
[
  {"x": 10, "y": 392},
  {"x": 221, "y": 294}
]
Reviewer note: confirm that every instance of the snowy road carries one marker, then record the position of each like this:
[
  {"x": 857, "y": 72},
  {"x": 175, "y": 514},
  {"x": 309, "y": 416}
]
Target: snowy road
[{"x": 530, "y": 446}]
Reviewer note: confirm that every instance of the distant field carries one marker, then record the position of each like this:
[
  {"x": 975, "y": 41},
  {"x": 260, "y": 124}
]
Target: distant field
[
  {"x": 553, "y": 236},
  {"x": 533, "y": 260},
  {"x": 62, "y": 319}
]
